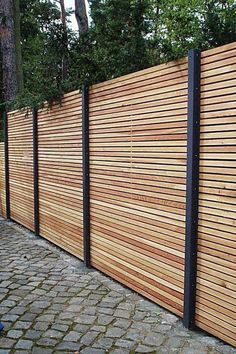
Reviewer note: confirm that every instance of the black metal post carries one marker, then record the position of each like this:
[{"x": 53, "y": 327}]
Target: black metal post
[
  {"x": 86, "y": 196},
  {"x": 192, "y": 187},
  {"x": 36, "y": 175},
  {"x": 6, "y": 152}
]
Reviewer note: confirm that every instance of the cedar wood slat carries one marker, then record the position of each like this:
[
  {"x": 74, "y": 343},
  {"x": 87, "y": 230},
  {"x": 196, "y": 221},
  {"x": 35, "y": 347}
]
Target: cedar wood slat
[{"x": 138, "y": 182}]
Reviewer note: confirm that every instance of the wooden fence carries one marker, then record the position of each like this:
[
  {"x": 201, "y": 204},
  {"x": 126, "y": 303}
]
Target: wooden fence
[
  {"x": 141, "y": 224},
  {"x": 138, "y": 140},
  {"x": 2, "y": 182}
]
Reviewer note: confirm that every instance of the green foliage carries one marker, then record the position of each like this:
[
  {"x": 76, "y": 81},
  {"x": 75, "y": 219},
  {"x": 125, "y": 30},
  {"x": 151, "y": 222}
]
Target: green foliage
[
  {"x": 44, "y": 42},
  {"x": 186, "y": 24},
  {"x": 119, "y": 30}
]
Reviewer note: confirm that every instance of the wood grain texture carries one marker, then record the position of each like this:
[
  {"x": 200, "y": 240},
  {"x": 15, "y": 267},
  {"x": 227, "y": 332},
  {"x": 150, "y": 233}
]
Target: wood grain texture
[
  {"x": 60, "y": 174},
  {"x": 216, "y": 299},
  {"x": 20, "y": 142},
  {"x": 138, "y": 181},
  {"x": 2, "y": 182},
  {"x": 138, "y": 148}
]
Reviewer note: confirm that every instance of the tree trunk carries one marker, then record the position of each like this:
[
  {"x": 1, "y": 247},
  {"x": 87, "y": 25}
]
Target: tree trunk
[
  {"x": 64, "y": 57},
  {"x": 8, "y": 50},
  {"x": 81, "y": 16},
  {"x": 19, "y": 70}
]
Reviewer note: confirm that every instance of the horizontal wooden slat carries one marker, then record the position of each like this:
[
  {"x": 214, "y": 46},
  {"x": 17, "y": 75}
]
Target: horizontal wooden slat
[
  {"x": 20, "y": 129},
  {"x": 138, "y": 173},
  {"x": 60, "y": 174},
  {"x": 216, "y": 300},
  {"x": 138, "y": 151}
]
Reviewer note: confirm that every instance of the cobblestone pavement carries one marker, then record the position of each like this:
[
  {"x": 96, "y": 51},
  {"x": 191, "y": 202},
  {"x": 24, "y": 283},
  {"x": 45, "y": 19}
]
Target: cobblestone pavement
[{"x": 50, "y": 303}]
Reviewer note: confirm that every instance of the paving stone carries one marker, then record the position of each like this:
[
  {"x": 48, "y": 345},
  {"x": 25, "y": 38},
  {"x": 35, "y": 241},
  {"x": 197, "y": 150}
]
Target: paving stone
[
  {"x": 47, "y": 342},
  {"x": 22, "y": 325},
  {"x": 143, "y": 349},
  {"x": 52, "y": 333},
  {"x": 90, "y": 310},
  {"x": 42, "y": 350},
  {"x": 46, "y": 318},
  {"x": 68, "y": 346},
  {"x": 89, "y": 337},
  {"x": 139, "y": 316},
  {"x": 8, "y": 303},
  {"x": 33, "y": 334},
  {"x": 104, "y": 320},
  {"x": 19, "y": 310},
  {"x": 146, "y": 327},
  {"x": 101, "y": 329},
  {"x": 41, "y": 326},
  {"x": 60, "y": 327},
  {"x": 115, "y": 332},
  {"x": 52, "y": 304},
  {"x": 24, "y": 344},
  {"x": 161, "y": 328},
  {"x": 5, "y": 284},
  {"x": 169, "y": 318},
  {"x": 225, "y": 349},
  {"x": 124, "y": 343},
  {"x": 154, "y": 339},
  {"x": 105, "y": 311},
  {"x": 60, "y": 300},
  {"x": 36, "y": 310},
  {"x": 120, "y": 351},
  {"x": 6, "y": 343},
  {"x": 15, "y": 334},
  {"x": 85, "y": 319},
  {"x": 81, "y": 328},
  {"x": 193, "y": 351},
  {"x": 92, "y": 351},
  {"x": 122, "y": 314},
  {"x": 74, "y": 308},
  {"x": 10, "y": 318},
  {"x": 175, "y": 342},
  {"x": 134, "y": 335},
  {"x": 72, "y": 336}
]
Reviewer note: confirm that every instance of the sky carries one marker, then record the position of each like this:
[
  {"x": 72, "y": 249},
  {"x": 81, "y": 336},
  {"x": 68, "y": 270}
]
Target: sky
[{"x": 71, "y": 4}]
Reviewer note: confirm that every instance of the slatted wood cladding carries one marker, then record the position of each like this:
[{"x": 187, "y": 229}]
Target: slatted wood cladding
[
  {"x": 60, "y": 173},
  {"x": 216, "y": 282},
  {"x": 138, "y": 180},
  {"x": 20, "y": 143},
  {"x": 2, "y": 182}
]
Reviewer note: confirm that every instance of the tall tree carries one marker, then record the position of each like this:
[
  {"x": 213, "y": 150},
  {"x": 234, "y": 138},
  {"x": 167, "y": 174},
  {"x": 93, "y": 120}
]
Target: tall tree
[
  {"x": 8, "y": 50},
  {"x": 17, "y": 33},
  {"x": 81, "y": 16},
  {"x": 64, "y": 63}
]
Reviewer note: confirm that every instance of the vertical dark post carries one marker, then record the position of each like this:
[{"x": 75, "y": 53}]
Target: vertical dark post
[
  {"x": 6, "y": 152},
  {"x": 86, "y": 196},
  {"x": 36, "y": 175},
  {"x": 192, "y": 187}
]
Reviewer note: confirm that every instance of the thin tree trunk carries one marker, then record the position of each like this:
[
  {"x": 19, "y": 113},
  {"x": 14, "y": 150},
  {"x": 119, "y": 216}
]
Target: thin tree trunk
[
  {"x": 81, "y": 16},
  {"x": 64, "y": 57},
  {"x": 19, "y": 70},
  {"x": 8, "y": 50}
]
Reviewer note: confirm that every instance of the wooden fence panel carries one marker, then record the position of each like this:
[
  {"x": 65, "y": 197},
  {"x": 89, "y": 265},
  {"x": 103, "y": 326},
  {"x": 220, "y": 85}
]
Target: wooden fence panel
[
  {"x": 20, "y": 142},
  {"x": 216, "y": 281},
  {"x": 137, "y": 180},
  {"x": 138, "y": 141},
  {"x": 60, "y": 173},
  {"x": 2, "y": 182}
]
